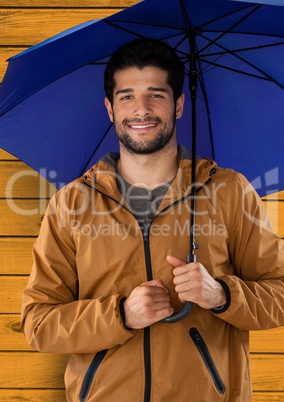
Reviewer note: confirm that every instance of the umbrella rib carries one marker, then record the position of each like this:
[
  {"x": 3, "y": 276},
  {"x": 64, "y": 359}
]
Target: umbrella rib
[
  {"x": 242, "y": 49},
  {"x": 245, "y": 33},
  {"x": 115, "y": 23},
  {"x": 266, "y": 77},
  {"x": 95, "y": 150},
  {"x": 225, "y": 16},
  {"x": 212, "y": 63},
  {"x": 112, "y": 23},
  {"x": 230, "y": 28},
  {"x": 203, "y": 90}
]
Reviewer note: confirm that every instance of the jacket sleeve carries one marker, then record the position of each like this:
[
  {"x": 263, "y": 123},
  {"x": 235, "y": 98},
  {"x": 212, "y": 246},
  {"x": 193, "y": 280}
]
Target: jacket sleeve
[
  {"x": 257, "y": 255},
  {"x": 53, "y": 319}
]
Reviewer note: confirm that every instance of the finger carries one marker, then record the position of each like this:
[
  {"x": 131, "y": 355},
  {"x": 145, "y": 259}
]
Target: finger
[
  {"x": 176, "y": 262},
  {"x": 192, "y": 269},
  {"x": 183, "y": 287},
  {"x": 161, "y": 314},
  {"x": 180, "y": 279},
  {"x": 158, "y": 283},
  {"x": 161, "y": 305}
]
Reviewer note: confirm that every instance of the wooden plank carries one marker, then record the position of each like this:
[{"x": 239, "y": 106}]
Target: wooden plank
[
  {"x": 25, "y": 27},
  {"x": 268, "y": 397},
  {"x": 267, "y": 372},
  {"x": 32, "y": 370},
  {"x": 4, "y": 155},
  {"x": 42, "y": 395},
  {"x": 11, "y": 336},
  {"x": 68, "y": 3},
  {"x": 12, "y": 288},
  {"x": 21, "y": 217},
  {"x": 16, "y": 255},
  {"x": 275, "y": 211},
  {"x": 18, "y": 180},
  {"x": 268, "y": 341},
  {"x": 275, "y": 196},
  {"x": 37, "y": 370}
]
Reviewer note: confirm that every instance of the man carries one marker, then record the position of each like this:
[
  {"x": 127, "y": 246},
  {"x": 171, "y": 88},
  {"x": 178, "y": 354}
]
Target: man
[{"x": 109, "y": 263}]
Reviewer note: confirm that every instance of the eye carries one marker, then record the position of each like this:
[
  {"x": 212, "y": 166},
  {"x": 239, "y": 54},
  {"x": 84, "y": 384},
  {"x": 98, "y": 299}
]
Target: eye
[
  {"x": 156, "y": 96},
  {"x": 126, "y": 97}
]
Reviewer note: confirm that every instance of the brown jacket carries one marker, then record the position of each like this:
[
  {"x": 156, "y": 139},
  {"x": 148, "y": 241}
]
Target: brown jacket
[{"x": 90, "y": 254}]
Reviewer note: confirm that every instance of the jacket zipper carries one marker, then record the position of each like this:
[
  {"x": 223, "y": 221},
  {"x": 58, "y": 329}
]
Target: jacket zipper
[
  {"x": 90, "y": 374},
  {"x": 207, "y": 358}
]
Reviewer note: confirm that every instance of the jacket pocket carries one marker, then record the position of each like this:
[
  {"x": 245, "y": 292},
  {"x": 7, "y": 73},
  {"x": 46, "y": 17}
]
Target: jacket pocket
[
  {"x": 207, "y": 358},
  {"x": 89, "y": 376}
]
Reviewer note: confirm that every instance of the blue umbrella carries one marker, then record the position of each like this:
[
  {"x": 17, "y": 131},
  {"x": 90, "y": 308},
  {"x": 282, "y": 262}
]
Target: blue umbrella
[
  {"x": 51, "y": 100},
  {"x": 52, "y": 114}
]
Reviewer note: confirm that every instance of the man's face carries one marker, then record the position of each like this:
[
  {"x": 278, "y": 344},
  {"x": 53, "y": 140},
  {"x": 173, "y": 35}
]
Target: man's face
[{"x": 143, "y": 111}]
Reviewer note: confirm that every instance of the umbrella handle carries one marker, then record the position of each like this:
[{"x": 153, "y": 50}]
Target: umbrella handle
[
  {"x": 179, "y": 315},
  {"x": 188, "y": 306}
]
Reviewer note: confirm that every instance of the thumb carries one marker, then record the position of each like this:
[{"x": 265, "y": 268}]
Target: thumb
[{"x": 176, "y": 262}]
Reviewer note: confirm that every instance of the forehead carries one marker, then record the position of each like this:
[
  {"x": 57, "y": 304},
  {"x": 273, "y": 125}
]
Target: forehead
[{"x": 134, "y": 77}]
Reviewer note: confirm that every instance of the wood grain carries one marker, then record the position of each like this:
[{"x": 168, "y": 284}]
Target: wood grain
[
  {"x": 267, "y": 397},
  {"x": 68, "y": 3},
  {"x": 21, "y": 217},
  {"x": 26, "y": 27},
  {"x": 268, "y": 341},
  {"x": 33, "y": 395},
  {"x": 267, "y": 372},
  {"x": 17, "y": 180},
  {"x": 37, "y": 370},
  {"x": 275, "y": 211},
  {"x": 32, "y": 370},
  {"x": 11, "y": 336},
  {"x": 6, "y": 156},
  {"x": 16, "y": 255},
  {"x": 11, "y": 290}
]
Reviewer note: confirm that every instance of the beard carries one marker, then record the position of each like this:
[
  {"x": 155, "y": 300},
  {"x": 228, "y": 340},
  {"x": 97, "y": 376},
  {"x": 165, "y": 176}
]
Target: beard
[{"x": 162, "y": 138}]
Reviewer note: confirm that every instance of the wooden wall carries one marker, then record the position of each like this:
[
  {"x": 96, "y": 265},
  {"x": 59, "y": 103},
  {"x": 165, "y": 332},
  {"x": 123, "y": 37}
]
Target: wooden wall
[{"x": 24, "y": 374}]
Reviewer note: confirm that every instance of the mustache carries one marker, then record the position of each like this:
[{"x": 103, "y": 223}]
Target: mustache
[{"x": 149, "y": 119}]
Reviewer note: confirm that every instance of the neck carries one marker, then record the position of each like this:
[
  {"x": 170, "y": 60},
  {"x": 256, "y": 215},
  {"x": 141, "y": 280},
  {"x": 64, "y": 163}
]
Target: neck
[{"x": 148, "y": 171}]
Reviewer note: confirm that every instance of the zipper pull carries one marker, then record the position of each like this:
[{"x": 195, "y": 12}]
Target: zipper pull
[
  {"x": 146, "y": 237},
  {"x": 196, "y": 336}
]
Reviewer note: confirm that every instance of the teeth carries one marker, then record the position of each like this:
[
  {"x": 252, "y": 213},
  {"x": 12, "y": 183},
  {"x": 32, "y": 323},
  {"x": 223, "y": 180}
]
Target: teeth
[{"x": 143, "y": 126}]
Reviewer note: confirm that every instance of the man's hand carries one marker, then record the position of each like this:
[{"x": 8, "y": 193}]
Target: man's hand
[
  {"x": 194, "y": 283},
  {"x": 147, "y": 304}
]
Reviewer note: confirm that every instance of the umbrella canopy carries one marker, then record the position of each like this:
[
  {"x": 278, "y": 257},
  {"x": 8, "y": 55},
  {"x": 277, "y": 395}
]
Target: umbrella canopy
[{"x": 52, "y": 114}]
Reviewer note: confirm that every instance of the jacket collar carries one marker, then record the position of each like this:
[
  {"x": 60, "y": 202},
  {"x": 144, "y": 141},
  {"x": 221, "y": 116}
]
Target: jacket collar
[{"x": 102, "y": 177}]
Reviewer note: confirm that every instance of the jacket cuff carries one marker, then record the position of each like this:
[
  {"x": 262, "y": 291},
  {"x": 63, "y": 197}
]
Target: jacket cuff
[
  {"x": 226, "y": 288},
  {"x": 122, "y": 313}
]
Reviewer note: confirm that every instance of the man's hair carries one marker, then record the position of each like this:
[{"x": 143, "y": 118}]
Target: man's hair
[{"x": 144, "y": 53}]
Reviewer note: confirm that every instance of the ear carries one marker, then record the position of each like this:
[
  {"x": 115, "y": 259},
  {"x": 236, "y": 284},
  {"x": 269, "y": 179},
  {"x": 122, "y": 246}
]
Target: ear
[
  {"x": 109, "y": 109},
  {"x": 179, "y": 106}
]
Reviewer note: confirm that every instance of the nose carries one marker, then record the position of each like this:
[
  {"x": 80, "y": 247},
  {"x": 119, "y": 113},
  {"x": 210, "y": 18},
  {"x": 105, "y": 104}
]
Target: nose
[{"x": 142, "y": 106}]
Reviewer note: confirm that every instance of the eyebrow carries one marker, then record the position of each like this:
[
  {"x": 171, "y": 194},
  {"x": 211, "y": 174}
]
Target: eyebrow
[{"x": 150, "y": 89}]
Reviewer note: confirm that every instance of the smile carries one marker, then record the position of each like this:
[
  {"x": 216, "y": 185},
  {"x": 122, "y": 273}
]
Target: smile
[{"x": 142, "y": 126}]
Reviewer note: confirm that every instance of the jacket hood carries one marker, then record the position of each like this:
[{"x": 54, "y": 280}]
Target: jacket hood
[{"x": 103, "y": 175}]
